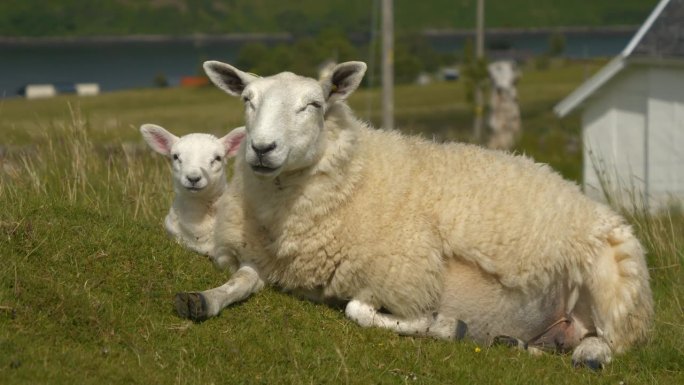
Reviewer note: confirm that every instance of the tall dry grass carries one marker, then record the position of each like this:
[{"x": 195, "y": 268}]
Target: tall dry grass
[
  {"x": 661, "y": 231},
  {"x": 660, "y": 228},
  {"x": 66, "y": 165}
]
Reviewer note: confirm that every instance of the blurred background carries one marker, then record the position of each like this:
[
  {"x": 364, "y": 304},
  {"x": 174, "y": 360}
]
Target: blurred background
[
  {"x": 143, "y": 60},
  {"x": 135, "y": 43}
]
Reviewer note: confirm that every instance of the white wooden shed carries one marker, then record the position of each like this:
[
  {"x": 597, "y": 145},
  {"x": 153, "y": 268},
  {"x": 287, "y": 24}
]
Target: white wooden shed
[{"x": 633, "y": 116}]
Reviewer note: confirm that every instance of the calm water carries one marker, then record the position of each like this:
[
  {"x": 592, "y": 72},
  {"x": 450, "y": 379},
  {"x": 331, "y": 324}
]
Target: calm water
[
  {"x": 114, "y": 66},
  {"x": 118, "y": 66}
]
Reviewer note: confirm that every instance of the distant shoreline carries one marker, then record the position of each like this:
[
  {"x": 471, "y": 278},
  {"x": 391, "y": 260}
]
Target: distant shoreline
[
  {"x": 287, "y": 37},
  {"x": 617, "y": 29}
]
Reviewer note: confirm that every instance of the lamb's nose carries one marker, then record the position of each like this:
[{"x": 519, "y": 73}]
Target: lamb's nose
[
  {"x": 263, "y": 149},
  {"x": 193, "y": 179}
]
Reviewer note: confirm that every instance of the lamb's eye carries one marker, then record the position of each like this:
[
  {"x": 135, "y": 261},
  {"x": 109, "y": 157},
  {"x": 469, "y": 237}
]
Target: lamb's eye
[
  {"x": 175, "y": 157},
  {"x": 217, "y": 158}
]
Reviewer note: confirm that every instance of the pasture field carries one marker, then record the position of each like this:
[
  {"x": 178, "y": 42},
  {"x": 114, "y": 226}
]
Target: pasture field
[
  {"x": 79, "y": 18},
  {"x": 88, "y": 274}
]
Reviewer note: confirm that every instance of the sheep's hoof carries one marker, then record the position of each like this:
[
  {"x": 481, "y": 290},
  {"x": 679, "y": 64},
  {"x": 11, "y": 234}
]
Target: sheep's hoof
[
  {"x": 461, "y": 330},
  {"x": 591, "y": 364},
  {"x": 191, "y": 306},
  {"x": 508, "y": 341}
]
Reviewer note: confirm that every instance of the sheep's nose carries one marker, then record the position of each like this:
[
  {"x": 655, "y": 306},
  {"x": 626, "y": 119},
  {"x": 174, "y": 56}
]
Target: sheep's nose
[
  {"x": 193, "y": 179},
  {"x": 263, "y": 149}
]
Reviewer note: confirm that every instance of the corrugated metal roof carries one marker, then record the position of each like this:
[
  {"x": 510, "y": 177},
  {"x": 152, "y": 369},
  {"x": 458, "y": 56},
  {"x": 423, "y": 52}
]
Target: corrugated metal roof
[
  {"x": 660, "y": 37},
  {"x": 646, "y": 27},
  {"x": 665, "y": 38}
]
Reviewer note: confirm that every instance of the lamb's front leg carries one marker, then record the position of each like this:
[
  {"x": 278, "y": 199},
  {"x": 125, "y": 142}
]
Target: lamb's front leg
[
  {"x": 435, "y": 326},
  {"x": 198, "y": 306}
]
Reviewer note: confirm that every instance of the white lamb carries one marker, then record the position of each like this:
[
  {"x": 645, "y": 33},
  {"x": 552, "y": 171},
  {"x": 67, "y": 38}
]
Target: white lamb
[
  {"x": 323, "y": 205},
  {"x": 199, "y": 181}
]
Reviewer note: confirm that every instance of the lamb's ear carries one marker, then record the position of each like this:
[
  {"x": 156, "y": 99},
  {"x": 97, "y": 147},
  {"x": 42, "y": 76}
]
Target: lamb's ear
[
  {"x": 227, "y": 77},
  {"x": 158, "y": 138},
  {"x": 232, "y": 141},
  {"x": 343, "y": 80}
]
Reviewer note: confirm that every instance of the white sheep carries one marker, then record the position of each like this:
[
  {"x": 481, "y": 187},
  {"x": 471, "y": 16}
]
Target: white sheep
[
  {"x": 504, "y": 112},
  {"x": 199, "y": 180},
  {"x": 321, "y": 204}
]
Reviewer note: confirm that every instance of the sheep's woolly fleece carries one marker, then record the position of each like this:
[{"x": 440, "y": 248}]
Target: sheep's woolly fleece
[
  {"x": 377, "y": 217},
  {"x": 325, "y": 206}
]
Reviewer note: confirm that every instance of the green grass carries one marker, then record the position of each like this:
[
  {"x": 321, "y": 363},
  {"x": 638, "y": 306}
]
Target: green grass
[
  {"x": 88, "y": 274},
  {"x": 184, "y": 17}
]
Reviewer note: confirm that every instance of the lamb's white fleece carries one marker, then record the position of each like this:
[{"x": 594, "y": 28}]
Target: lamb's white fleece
[{"x": 198, "y": 162}]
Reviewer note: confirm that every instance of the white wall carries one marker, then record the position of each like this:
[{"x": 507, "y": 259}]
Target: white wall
[
  {"x": 666, "y": 134},
  {"x": 614, "y": 126},
  {"x": 634, "y": 128},
  {"x": 598, "y": 152},
  {"x": 87, "y": 89},
  {"x": 39, "y": 91}
]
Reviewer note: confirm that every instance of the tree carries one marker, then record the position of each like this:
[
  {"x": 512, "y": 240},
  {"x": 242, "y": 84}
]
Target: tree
[
  {"x": 556, "y": 44},
  {"x": 407, "y": 66},
  {"x": 473, "y": 71},
  {"x": 475, "y": 76},
  {"x": 251, "y": 55}
]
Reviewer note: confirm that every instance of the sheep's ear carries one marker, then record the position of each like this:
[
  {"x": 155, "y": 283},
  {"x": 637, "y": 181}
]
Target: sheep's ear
[
  {"x": 232, "y": 141},
  {"x": 228, "y": 78},
  {"x": 343, "y": 80},
  {"x": 158, "y": 138}
]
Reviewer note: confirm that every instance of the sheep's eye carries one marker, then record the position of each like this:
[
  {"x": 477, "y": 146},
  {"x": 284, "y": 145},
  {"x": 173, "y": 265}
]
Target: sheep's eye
[
  {"x": 175, "y": 157},
  {"x": 217, "y": 158},
  {"x": 315, "y": 105}
]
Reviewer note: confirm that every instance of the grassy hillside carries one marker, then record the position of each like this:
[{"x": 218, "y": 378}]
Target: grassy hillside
[
  {"x": 181, "y": 17},
  {"x": 88, "y": 275}
]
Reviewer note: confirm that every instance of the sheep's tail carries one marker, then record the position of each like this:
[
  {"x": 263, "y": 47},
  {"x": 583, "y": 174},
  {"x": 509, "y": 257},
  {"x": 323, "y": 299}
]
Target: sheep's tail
[{"x": 619, "y": 286}]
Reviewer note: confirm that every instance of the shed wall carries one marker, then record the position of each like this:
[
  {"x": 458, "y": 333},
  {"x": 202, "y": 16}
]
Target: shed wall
[
  {"x": 633, "y": 133},
  {"x": 614, "y": 129},
  {"x": 666, "y": 134}
]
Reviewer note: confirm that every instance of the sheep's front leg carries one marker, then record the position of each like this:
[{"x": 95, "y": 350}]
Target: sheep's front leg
[
  {"x": 205, "y": 248},
  {"x": 435, "y": 326},
  {"x": 199, "y": 306}
]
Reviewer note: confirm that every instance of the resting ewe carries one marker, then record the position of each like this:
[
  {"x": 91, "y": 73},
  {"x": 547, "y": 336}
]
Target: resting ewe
[
  {"x": 199, "y": 180},
  {"x": 434, "y": 233}
]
